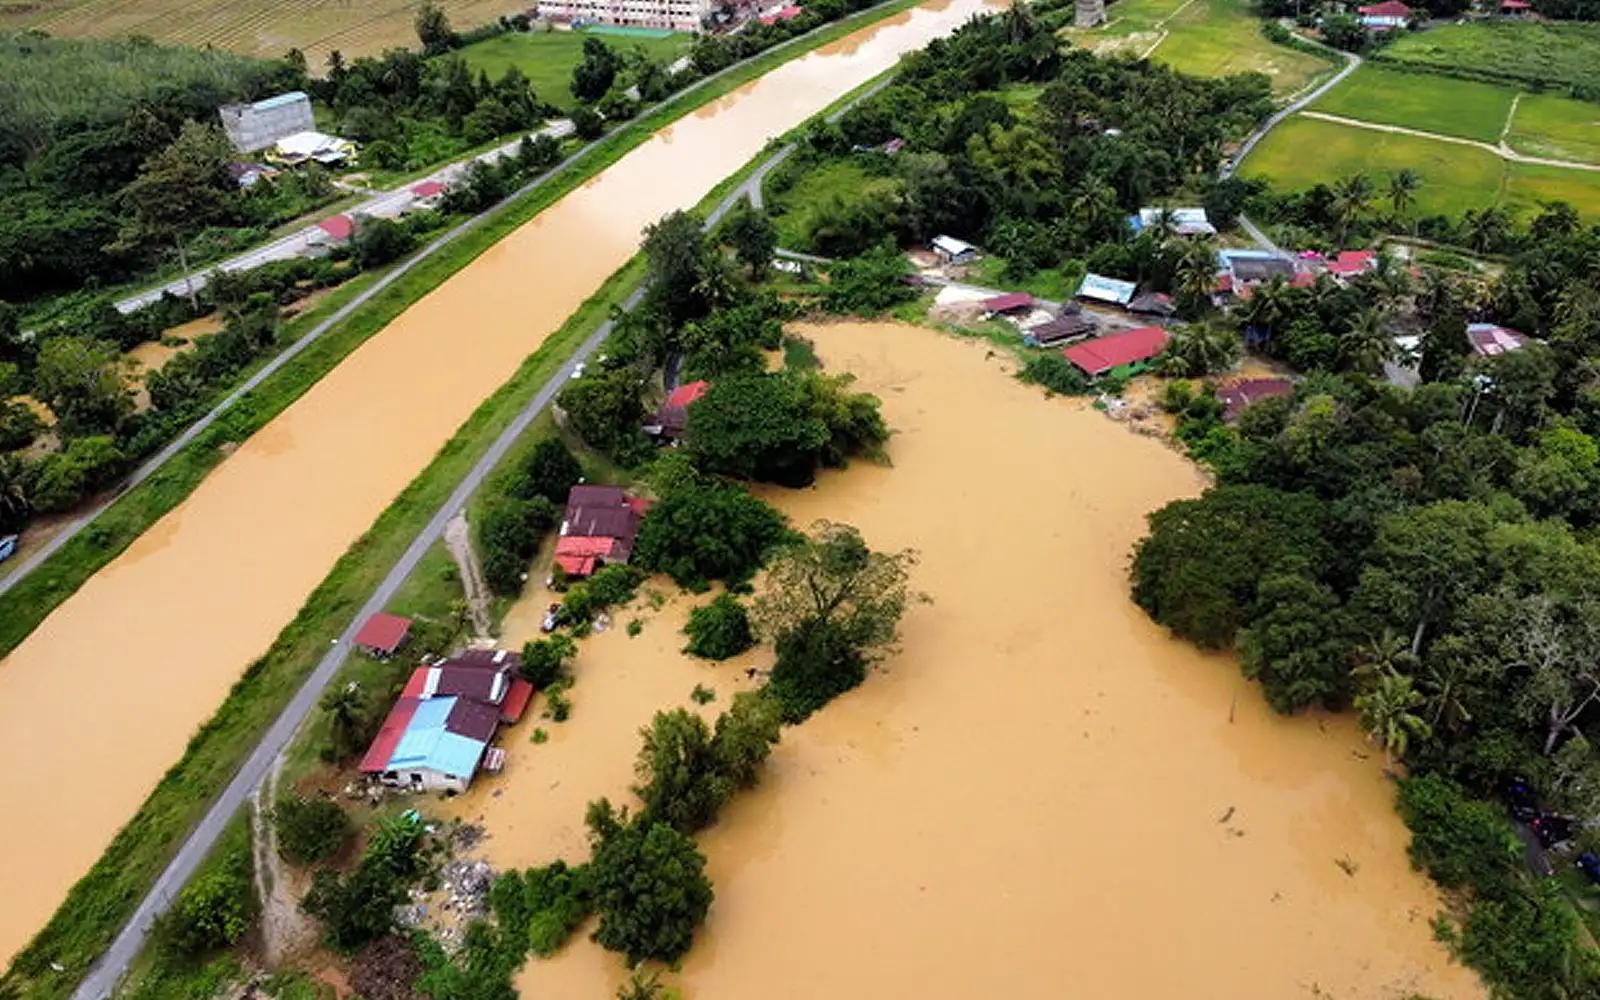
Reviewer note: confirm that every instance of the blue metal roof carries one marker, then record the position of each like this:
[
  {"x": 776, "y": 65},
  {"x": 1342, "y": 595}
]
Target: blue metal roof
[
  {"x": 427, "y": 744},
  {"x": 279, "y": 101}
]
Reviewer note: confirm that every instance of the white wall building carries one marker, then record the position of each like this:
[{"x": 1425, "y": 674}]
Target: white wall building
[
  {"x": 675, "y": 15},
  {"x": 256, "y": 126}
]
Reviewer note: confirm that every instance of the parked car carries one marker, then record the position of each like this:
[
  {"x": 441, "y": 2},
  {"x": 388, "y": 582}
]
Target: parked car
[
  {"x": 552, "y": 618},
  {"x": 8, "y": 547}
]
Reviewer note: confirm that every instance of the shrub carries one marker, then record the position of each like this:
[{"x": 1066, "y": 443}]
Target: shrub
[
  {"x": 614, "y": 585},
  {"x": 309, "y": 830},
  {"x": 509, "y": 531},
  {"x": 1055, "y": 373},
  {"x": 550, "y": 902},
  {"x": 544, "y": 661},
  {"x": 213, "y": 911},
  {"x": 719, "y": 630},
  {"x": 548, "y": 471},
  {"x": 1458, "y": 840}
]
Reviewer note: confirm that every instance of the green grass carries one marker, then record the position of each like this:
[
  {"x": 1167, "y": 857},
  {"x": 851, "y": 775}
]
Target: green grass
[
  {"x": 98, "y": 904},
  {"x": 1556, "y": 127},
  {"x": 1465, "y": 108},
  {"x": 548, "y": 58},
  {"x": 1207, "y": 38},
  {"x": 1540, "y": 55},
  {"x": 801, "y": 207},
  {"x": 1304, "y": 151},
  {"x": 1056, "y": 283}
]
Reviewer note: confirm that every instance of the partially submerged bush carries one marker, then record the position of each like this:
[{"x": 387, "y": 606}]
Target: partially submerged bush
[{"x": 719, "y": 630}]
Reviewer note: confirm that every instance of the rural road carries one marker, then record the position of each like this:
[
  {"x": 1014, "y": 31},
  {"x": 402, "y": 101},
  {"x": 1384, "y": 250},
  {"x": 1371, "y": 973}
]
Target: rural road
[
  {"x": 149, "y": 467},
  {"x": 1502, "y": 150},
  {"x": 386, "y": 204},
  {"x": 1351, "y": 64},
  {"x": 104, "y": 975}
]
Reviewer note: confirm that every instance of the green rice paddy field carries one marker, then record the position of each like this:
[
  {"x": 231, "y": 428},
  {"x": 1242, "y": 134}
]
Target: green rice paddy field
[
  {"x": 1304, "y": 151},
  {"x": 1552, "y": 55},
  {"x": 548, "y": 58},
  {"x": 1202, "y": 37}
]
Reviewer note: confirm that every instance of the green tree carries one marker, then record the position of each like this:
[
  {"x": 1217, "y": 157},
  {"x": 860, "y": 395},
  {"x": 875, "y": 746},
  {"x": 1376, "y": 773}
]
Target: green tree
[
  {"x": 675, "y": 249},
  {"x": 309, "y": 830},
  {"x": 213, "y": 911},
  {"x": 544, "y": 661},
  {"x": 508, "y": 533},
  {"x": 1422, "y": 565},
  {"x": 83, "y": 382},
  {"x": 433, "y": 29},
  {"x": 596, "y": 72},
  {"x": 1351, "y": 196},
  {"x": 379, "y": 241},
  {"x": 1387, "y": 706},
  {"x": 15, "y": 504},
  {"x": 678, "y": 780},
  {"x": 649, "y": 886},
  {"x": 1200, "y": 349},
  {"x": 753, "y": 238},
  {"x": 1296, "y": 646},
  {"x": 1403, "y": 186},
  {"x": 347, "y": 711},
  {"x": 1367, "y": 344},
  {"x": 719, "y": 629},
  {"x": 606, "y": 409},
  {"x": 744, "y": 737},
  {"x": 548, "y": 471},
  {"x": 707, "y": 530},
  {"x": 180, "y": 190}
]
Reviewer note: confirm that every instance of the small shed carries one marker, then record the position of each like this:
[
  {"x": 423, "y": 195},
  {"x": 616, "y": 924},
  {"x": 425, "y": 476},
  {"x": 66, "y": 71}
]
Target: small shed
[
  {"x": 1103, "y": 289},
  {"x": 428, "y": 194},
  {"x": 1098, "y": 356},
  {"x": 1153, "y": 304},
  {"x": 953, "y": 251},
  {"x": 1184, "y": 221},
  {"x": 382, "y": 635},
  {"x": 1067, "y": 326},
  {"x": 1011, "y": 302},
  {"x": 337, "y": 228},
  {"x": 672, "y": 416}
]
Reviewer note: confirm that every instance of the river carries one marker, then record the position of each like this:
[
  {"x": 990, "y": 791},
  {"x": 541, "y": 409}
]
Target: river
[
  {"x": 1041, "y": 794},
  {"x": 101, "y": 699}
]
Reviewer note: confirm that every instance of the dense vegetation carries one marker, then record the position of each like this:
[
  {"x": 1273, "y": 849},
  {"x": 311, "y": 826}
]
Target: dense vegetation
[{"x": 1539, "y": 56}]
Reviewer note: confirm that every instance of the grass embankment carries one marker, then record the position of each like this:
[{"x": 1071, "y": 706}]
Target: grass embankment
[
  {"x": 1455, "y": 178},
  {"x": 1204, "y": 38},
  {"x": 99, "y": 903},
  {"x": 1543, "y": 55},
  {"x": 547, "y": 59}
]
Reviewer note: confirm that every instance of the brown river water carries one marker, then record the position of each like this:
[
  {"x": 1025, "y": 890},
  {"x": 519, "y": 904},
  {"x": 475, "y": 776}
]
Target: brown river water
[
  {"x": 1041, "y": 794},
  {"x": 101, "y": 699}
]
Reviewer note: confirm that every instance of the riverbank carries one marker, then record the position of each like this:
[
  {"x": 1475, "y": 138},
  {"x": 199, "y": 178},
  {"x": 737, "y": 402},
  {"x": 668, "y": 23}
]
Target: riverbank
[
  {"x": 1040, "y": 774},
  {"x": 161, "y": 601}
]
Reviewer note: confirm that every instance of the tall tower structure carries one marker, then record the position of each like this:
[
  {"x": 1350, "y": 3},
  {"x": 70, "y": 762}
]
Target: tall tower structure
[{"x": 1090, "y": 13}]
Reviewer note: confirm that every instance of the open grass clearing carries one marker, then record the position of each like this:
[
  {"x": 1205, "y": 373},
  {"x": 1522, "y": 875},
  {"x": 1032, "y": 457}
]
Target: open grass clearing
[
  {"x": 1544, "y": 54},
  {"x": 1303, "y": 152},
  {"x": 1426, "y": 101},
  {"x": 548, "y": 58},
  {"x": 1206, "y": 38}
]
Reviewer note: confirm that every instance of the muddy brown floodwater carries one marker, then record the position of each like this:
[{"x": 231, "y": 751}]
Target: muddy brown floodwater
[
  {"x": 101, "y": 699},
  {"x": 1042, "y": 794}
]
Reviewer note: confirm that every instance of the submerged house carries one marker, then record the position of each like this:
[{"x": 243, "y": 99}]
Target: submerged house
[
  {"x": 439, "y": 733},
  {"x": 597, "y": 530}
]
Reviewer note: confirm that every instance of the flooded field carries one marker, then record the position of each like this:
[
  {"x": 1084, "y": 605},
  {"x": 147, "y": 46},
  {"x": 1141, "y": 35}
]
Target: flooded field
[
  {"x": 101, "y": 699},
  {"x": 1041, "y": 794}
]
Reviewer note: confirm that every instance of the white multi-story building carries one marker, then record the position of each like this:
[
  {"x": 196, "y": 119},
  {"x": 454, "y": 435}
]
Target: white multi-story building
[
  {"x": 674, "y": 15},
  {"x": 256, "y": 126}
]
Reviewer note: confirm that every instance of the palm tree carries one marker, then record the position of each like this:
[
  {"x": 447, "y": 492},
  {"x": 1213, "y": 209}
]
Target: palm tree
[
  {"x": 1350, "y": 197},
  {"x": 1390, "y": 278},
  {"x": 1095, "y": 206},
  {"x": 346, "y": 717},
  {"x": 1403, "y": 185},
  {"x": 1165, "y": 225},
  {"x": 1486, "y": 229},
  {"x": 1270, "y": 304},
  {"x": 1196, "y": 274},
  {"x": 1367, "y": 344},
  {"x": 14, "y": 505},
  {"x": 716, "y": 285},
  {"x": 1386, "y": 707},
  {"x": 1199, "y": 349}
]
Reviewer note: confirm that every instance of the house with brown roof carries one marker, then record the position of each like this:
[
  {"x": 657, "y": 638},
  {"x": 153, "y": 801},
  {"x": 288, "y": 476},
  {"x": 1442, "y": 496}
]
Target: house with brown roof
[
  {"x": 672, "y": 416},
  {"x": 382, "y": 635},
  {"x": 1237, "y": 395},
  {"x": 598, "y": 529}
]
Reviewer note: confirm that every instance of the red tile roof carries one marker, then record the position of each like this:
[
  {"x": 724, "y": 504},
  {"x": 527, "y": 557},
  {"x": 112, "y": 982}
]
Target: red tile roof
[
  {"x": 1100, "y": 355},
  {"x": 1352, "y": 262},
  {"x": 1389, "y": 8},
  {"x": 383, "y": 632},
  {"x": 427, "y": 189},
  {"x": 1008, "y": 302},
  {"x": 394, "y": 726},
  {"x": 338, "y": 226}
]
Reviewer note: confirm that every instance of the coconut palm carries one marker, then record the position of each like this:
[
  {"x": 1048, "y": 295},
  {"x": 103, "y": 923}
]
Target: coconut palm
[
  {"x": 1367, "y": 344},
  {"x": 1387, "y": 714},
  {"x": 1165, "y": 225},
  {"x": 1403, "y": 185},
  {"x": 1270, "y": 305},
  {"x": 346, "y": 718},
  {"x": 1350, "y": 197},
  {"x": 1200, "y": 349},
  {"x": 1196, "y": 273},
  {"x": 1486, "y": 229},
  {"x": 1095, "y": 206}
]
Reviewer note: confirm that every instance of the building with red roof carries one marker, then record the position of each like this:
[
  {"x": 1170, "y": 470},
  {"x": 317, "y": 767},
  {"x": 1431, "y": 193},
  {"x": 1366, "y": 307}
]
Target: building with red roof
[
  {"x": 382, "y": 635},
  {"x": 598, "y": 529},
  {"x": 1514, "y": 8},
  {"x": 1489, "y": 339},
  {"x": 1385, "y": 16},
  {"x": 788, "y": 12},
  {"x": 1010, "y": 302},
  {"x": 1349, "y": 263},
  {"x": 1102, "y": 354},
  {"x": 338, "y": 227},
  {"x": 672, "y": 416},
  {"x": 1235, "y": 396}
]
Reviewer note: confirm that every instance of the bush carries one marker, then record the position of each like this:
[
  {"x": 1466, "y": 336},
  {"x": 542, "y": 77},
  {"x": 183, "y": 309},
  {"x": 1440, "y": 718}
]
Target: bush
[
  {"x": 63, "y": 479},
  {"x": 550, "y": 902},
  {"x": 358, "y": 908},
  {"x": 213, "y": 911},
  {"x": 1055, "y": 373},
  {"x": 509, "y": 531},
  {"x": 719, "y": 630},
  {"x": 544, "y": 661},
  {"x": 614, "y": 585},
  {"x": 548, "y": 471},
  {"x": 379, "y": 241},
  {"x": 1459, "y": 840},
  {"x": 309, "y": 830}
]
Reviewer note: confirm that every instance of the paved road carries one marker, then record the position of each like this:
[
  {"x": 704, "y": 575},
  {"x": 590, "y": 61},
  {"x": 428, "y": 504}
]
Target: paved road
[
  {"x": 20, "y": 569},
  {"x": 113, "y": 964},
  {"x": 301, "y": 242}
]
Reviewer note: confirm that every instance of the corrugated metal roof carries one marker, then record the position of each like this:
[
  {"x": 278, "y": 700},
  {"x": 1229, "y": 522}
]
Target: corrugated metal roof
[
  {"x": 279, "y": 101},
  {"x": 394, "y": 727},
  {"x": 428, "y": 744},
  {"x": 1096, "y": 286},
  {"x": 1105, "y": 353}
]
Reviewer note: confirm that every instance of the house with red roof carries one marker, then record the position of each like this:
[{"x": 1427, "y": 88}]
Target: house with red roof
[
  {"x": 439, "y": 733},
  {"x": 1386, "y": 16},
  {"x": 1117, "y": 350},
  {"x": 1237, "y": 395},
  {"x": 1514, "y": 8},
  {"x": 672, "y": 416},
  {"x": 787, "y": 12},
  {"x": 1347, "y": 264},
  {"x": 1011, "y": 302},
  {"x": 1489, "y": 339},
  {"x": 337, "y": 228},
  {"x": 428, "y": 194},
  {"x": 382, "y": 635},
  {"x": 598, "y": 529}
]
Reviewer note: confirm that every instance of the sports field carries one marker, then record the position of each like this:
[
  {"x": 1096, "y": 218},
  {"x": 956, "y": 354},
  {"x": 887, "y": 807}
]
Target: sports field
[
  {"x": 1424, "y": 101},
  {"x": 1203, "y": 37},
  {"x": 547, "y": 58},
  {"x": 251, "y": 27},
  {"x": 1303, "y": 152}
]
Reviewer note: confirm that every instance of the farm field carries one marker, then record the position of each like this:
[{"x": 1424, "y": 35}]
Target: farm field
[
  {"x": 547, "y": 58},
  {"x": 1424, "y": 101},
  {"x": 1557, "y": 56},
  {"x": 251, "y": 27},
  {"x": 1303, "y": 152},
  {"x": 1556, "y": 127},
  {"x": 1202, "y": 37}
]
